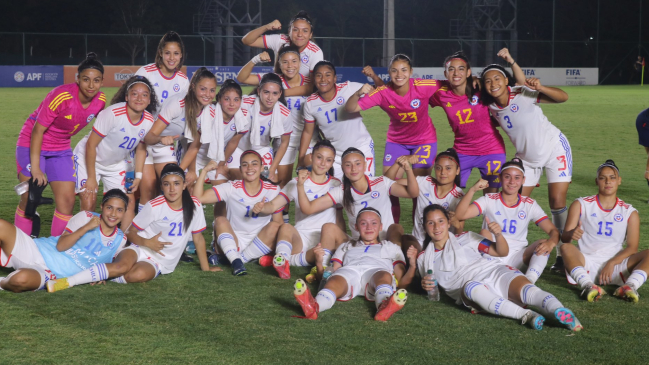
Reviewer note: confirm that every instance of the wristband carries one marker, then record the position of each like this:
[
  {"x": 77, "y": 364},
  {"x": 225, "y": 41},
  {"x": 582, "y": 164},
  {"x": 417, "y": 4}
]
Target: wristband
[
  {"x": 138, "y": 175},
  {"x": 512, "y": 64},
  {"x": 256, "y": 59}
]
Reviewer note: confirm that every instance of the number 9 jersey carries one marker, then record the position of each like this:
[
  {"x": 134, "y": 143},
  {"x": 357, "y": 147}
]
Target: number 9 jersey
[{"x": 164, "y": 87}]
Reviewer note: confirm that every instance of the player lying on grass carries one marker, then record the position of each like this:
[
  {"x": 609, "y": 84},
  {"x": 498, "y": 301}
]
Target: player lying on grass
[
  {"x": 88, "y": 239},
  {"x": 243, "y": 235},
  {"x": 513, "y": 213},
  {"x": 479, "y": 282},
  {"x": 295, "y": 244},
  {"x": 158, "y": 236},
  {"x": 366, "y": 266},
  {"x": 443, "y": 189},
  {"x": 600, "y": 224}
]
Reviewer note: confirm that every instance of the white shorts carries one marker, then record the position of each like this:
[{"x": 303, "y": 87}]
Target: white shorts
[
  {"x": 514, "y": 259},
  {"x": 26, "y": 255},
  {"x": 111, "y": 176},
  {"x": 234, "y": 162},
  {"x": 359, "y": 281},
  {"x": 160, "y": 154},
  {"x": 310, "y": 238},
  {"x": 558, "y": 168},
  {"x": 294, "y": 148},
  {"x": 201, "y": 161},
  {"x": 594, "y": 265},
  {"x": 368, "y": 151},
  {"x": 244, "y": 239},
  {"x": 143, "y": 256}
]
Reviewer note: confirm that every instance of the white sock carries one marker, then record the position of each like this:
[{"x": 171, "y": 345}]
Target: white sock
[
  {"x": 283, "y": 248},
  {"x": 140, "y": 207},
  {"x": 95, "y": 273},
  {"x": 382, "y": 292},
  {"x": 326, "y": 259},
  {"x": 636, "y": 279},
  {"x": 119, "y": 280},
  {"x": 559, "y": 218},
  {"x": 492, "y": 303},
  {"x": 299, "y": 259},
  {"x": 228, "y": 246},
  {"x": 544, "y": 301},
  {"x": 255, "y": 250},
  {"x": 581, "y": 277},
  {"x": 326, "y": 299},
  {"x": 536, "y": 267},
  {"x": 285, "y": 216}
]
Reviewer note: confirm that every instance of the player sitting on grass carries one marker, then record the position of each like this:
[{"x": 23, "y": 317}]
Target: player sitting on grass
[
  {"x": 158, "y": 236},
  {"x": 363, "y": 266},
  {"x": 479, "y": 282},
  {"x": 88, "y": 239},
  {"x": 600, "y": 224}
]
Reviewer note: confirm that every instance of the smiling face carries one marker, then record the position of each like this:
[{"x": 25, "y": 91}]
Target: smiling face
[
  {"x": 290, "y": 65},
  {"x": 138, "y": 97},
  {"x": 368, "y": 225},
  {"x": 230, "y": 102},
  {"x": 323, "y": 158},
  {"x": 171, "y": 56},
  {"x": 172, "y": 187},
  {"x": 205, "y": 90},
  {"x": 512, "y": 180},
  {"x": 269, "y": 94},
  {"x": 400, "y": 72},
  {"x": 436, "y": 226},
  {"x": 90, "y": 81},
  {"x": 495, "y": 83},
  {"x": 608, "y": 181},
  {"x": 250, "y": 167},
  {"x": 325, "y": 79},
  {"x": 112, "y": 212},
  {"x": 446, "y": 170},
  {"x": 300, "y": 33},
  {"x": 354, "y": 167},
  {"x": 457, "y": 72}
]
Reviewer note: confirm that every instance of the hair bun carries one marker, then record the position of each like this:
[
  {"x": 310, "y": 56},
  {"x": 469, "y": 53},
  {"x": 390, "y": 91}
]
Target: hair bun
[{"x": 91, "y": 56}]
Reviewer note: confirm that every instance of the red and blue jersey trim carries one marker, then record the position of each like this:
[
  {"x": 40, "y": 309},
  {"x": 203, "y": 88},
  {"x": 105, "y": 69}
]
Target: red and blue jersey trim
[
  {"x": 199, "y": 230},
  {"x": 541, "y": 220},
  {"x": 137, "y": 227}
]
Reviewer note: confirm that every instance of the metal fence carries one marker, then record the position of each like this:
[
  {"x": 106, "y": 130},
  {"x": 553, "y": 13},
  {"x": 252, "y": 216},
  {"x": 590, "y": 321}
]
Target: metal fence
[{"x": 615, "y": 59}]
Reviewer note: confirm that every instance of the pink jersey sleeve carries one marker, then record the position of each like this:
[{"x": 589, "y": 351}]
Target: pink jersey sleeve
[
  {"x": 375, "y": 98},
  {"x": 54, "y": 103}
]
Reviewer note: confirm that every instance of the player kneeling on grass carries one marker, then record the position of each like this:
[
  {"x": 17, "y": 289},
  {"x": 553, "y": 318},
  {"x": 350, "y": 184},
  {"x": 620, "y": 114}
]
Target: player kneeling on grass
[
  {"x": 600, "y": 224},
  {"x": 363, "y": 266},
  {"x": 243, "y": 235},
  {"x": 88, "y": 239},
  {"x": 158, "y": 236},
  {"x": 478, "y": 282}
]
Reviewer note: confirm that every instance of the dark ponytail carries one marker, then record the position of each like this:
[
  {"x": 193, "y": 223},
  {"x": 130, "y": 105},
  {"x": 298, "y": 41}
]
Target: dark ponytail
[
  {"x": 91, "y": 61},
  {"x": 428, "y": 209},
  {"x": 486, "y": 98},
  {"x": 120, "y": 95},
  {"x": 469, "y": 91},
  {"x": 188, "y": 202},
  {"x": 450, "y": 153},
  {"x": 324, "y": 143},
  {"x": 261, "y": 161},
  {"x": 301, "y": 15},
  {"x": 170, "y": 36},
  {"x": 228, "y": 85},
  {"x": 348, "y": 198}
]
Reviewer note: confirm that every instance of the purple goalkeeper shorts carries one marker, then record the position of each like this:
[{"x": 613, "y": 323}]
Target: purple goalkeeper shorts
[
  {"x": 57, "y": 165},
  {"x": 426, "y": 153},
  {"x": 489, "y": 166}
]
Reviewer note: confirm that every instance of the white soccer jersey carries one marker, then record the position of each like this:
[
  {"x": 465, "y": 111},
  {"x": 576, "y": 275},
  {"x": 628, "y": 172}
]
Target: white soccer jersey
[
  {"x": 513, "y": 220},
  {"x": 207, "y": 116},
  {"x": 384, "y": 255},
  {"x": 120, "y": 135},
  {"x": 378, "y": 197},
  {"x": 296, "y": 105},
  {"x": 82, "y": 218},
  {"x": 173, "y": 115},
  {"x": 264, "y": 121},
  {"x": 428, "y": 196},
  {"x": 341, "y": 128},
  {"x": 604, "y": 230},
  {"x": 313, "y": 190},
  {"x": 158, "y": 217},
  {"x": 164, "y": 87},
  {"x": 240, "y": 204},
  {"x": 311, "y": 54},
  {"x": 527, "y": 127}
]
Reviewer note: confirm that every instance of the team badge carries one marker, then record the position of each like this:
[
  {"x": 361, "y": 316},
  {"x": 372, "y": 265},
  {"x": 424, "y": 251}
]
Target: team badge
[
  {"x": 388, "y": 157},
  {"x": 375, "y": 194},
  {"x": 19, "y": 76},
  {"x": 176, "y": 87},
  {"x": 415, "y": 103},
  {"x": 83, "y": 182},
  {"x": 90, "y": 118},
  {"x": 230, "y": 159},
  {"x": 445, "y": 205},
  {"x": 522, "y": 215},
  {"x": 340, "y": 100},
  {"x": 305, "y": 59},
  {"x": 514, "y": 108},
  {"x": 233, "y": 127},
  {"x": 141, "y": 133},
  {"x": 618, "y": 218},
  {"x": 266, "y": 200},
  {"x": 29, "y": 167},
  {"x": 474, "y": 100}
]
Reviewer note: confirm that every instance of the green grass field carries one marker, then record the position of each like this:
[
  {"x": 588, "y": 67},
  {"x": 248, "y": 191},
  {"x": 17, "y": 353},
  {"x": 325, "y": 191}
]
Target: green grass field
[{"x": 195, "y": 317}]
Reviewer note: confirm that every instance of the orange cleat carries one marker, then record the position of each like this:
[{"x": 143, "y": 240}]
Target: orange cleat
[
  {"x": 306, "y": 300},
  {"x": 391, "y": 305},
  {"x": 282, "y": 267},
  {"x": 266, "y": 261}
]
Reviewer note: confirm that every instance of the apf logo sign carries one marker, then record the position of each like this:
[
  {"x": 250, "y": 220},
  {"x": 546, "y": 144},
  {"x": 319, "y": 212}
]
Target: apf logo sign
[
  {"x": 31, "y": 76},
  {"x": 19, "y": 76}
]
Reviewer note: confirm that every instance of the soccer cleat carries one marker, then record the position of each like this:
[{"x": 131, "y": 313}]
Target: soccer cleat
[
  {"x": 266, "y": 261},
  {"x": 281, "y": 265},
  {"x": 238, "y": 269},
  {"x": 391, "y": 305},
  {"x": 568, "y": 319},
  {"x": 627, "y": 293},
  {"x": 190, "y": 248},
  {"x": 593, "y": 293},
  {"x": 56, "y": 285},
  {"x": 558, "y": 266},
  {"x": 311, "y": 276},
  {"x": 534, "y": 320},
  {"x": 184, "y": 257},
  {"x": 307, "y": 302}
]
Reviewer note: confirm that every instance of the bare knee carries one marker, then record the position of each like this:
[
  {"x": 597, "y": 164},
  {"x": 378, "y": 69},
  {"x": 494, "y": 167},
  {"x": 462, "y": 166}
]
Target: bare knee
[
  {"x": 220, "y": 221},
  {"x": 21, "y": 281},
  {"x": 382, "y": 277},
  {"x": 273, "y": 227},
  {"x": 329, "y": 228},
  {"x": 137, "y": 276}
]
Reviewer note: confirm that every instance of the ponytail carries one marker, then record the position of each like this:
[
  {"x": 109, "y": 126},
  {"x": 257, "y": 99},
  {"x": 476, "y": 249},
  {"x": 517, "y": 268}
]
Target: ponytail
[
  {"x": 188, "y": 202},
  {"x": 348, "y": 198},
  {"x": 120, "y": 95},
  {"x": 170, "y": 36},
  {"x": 325, "y": 143},
  {"x": 91, "y": 61},
  {"x": 192, "y": 105},
  {"x": 428, "y": 209}
]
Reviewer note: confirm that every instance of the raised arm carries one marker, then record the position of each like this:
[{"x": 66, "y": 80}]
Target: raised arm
[
  {"x": 311, "y": 207},
  {"x": 465, "y": 209},
  {"x": 245, "y": 75},
  {"x": 369, "y": 72},
  {"x": 411, "y": 190},
  {"x": 153, "y": 137},
  {"x": 548, "y": 95},
  {"x": 267, "y": 208},
  {"x": 352, "y": 104},
  {"x": 519, "y": 75},
  {"x": 254, "y": 38},
  {"x": 501, "y": 248},
  {"x": 209, "y": 196}
]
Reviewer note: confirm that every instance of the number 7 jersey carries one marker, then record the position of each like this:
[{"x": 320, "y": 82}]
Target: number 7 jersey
[{"x": 604, "y": 230}]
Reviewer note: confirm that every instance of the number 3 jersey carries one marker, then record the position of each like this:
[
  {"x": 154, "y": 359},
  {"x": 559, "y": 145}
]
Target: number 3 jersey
[
  {"x": 158, "y": 217},
  {"x": 164, "y": 87},
  {"x": 604, "y": 230},
  {"x": 240, "y": 204},
  {"x": 513, "y": 220}
]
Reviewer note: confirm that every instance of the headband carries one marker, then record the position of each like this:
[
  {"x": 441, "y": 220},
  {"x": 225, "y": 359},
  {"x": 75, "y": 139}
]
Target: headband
[
  {"x": 118, "y": 196},
  {"x": 610, "y": 164},
  {"x": 249, "y": 152},
  {"x": 351, "y": 150},
  {"x": 291, "y": 51},
  {"x": 327, "y": 146},
  {"x": 455, "y": 58},
  {"x": 449, "y": 157},
  {"x": 400, "y": 54},
  {"x": 494, "y": 69},
  {"x": 182, "y": 176},
  {"x": 138, "y": 82},
  {"x": 300, "y": 18},
  {"x": 369, "y": 209},
  {"x": 512, "y": 167}
]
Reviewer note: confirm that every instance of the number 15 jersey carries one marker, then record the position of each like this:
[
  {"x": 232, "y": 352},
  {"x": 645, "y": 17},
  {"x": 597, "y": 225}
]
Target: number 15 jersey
[{"x": 604, "y": 230}]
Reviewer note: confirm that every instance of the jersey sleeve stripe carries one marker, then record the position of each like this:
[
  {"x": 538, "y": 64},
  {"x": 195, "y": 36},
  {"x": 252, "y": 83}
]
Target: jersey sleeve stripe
[
  {"x": 137, "y": 227},
  {"x": 57, "y": 98},
  {"x": 217, "y": 193},
  {"x": 163, "y": 120},
  {"x": 264, "y": 39},
  {"x": 337, "y": 260},
  {"x": 280, "y": 209},
  {"x": 97, "y": 132},
  {"x": 332, "y": 198},
  {"x": 479, "y": 208},
  {"x": 285, "y": 197},
  {"x": 398, "y": 262},
  {"x": 541, "y": 220},
  {"x": 309, "y": 121},
  {"x": 199, "y": 231},
  {"x": 69, "y": 230},
  {"x": 60, "y": 99}
]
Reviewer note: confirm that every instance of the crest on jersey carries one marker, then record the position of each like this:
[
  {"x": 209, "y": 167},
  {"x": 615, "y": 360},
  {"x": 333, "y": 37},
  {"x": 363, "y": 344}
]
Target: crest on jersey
[
  {"x": 375, "y": 194},
  {"x": 514, "y": 108},
  {"x": 141, "y": 133},
  {"x": 618, "y": 218},
  {"x": 230, "y": 159},
  {"x": 90, "y": 117},
  {"x": 388, "y": 157},
  {"x": 233, "y": 127},
  {"x": 266, "y": 200},
  {"x": 340, "y": 100},
  {"x": 445, "y": 205},
  {"x": 176, "y": 87},
  {"x": 474, "y": 100},
  {"x": 305, "y": 58},
  {"x": 415, "y": 103},
  {"x": 521, "y": 215},
  {"x": 29, "y": 167}
]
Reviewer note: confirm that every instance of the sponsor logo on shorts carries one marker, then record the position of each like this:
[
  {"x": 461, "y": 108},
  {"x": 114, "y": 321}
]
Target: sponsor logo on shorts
[
  {"x": 83, "y": 182},
  {"x": 176, "y": 87},
  {"x": 415, "y": 103},
  {"x": 141, "y": 133},
  {"x": 514, "y": 108},
  {"x": 521, "y": 215},
  {"x": 618, "y": 218},
  {"x": 474, "y": 100},
  {"x": 388, "y": 157},
  {"x": 90, "y": 117},
  {"x": 375, "y": 194},
  {"x": 19, "y": 76},
  {"x": 305, "y": 59},
  {"x": 340, "y": 100}
]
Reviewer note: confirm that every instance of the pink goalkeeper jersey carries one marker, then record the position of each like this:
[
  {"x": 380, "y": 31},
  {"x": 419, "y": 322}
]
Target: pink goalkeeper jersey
[
  {"x": 410, "y": 123},
  {"x": 475, "y": 134},
  {"x": 63, "y": 115}
]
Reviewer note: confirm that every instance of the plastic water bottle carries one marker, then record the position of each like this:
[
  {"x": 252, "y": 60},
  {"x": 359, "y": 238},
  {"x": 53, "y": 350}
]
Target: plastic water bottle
[
  {"x": 265, "y": 173},
  {"x": 433, "y": 294},
  {"x": 326, "y": 275},
  {"x": 130, "y": 175}
]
